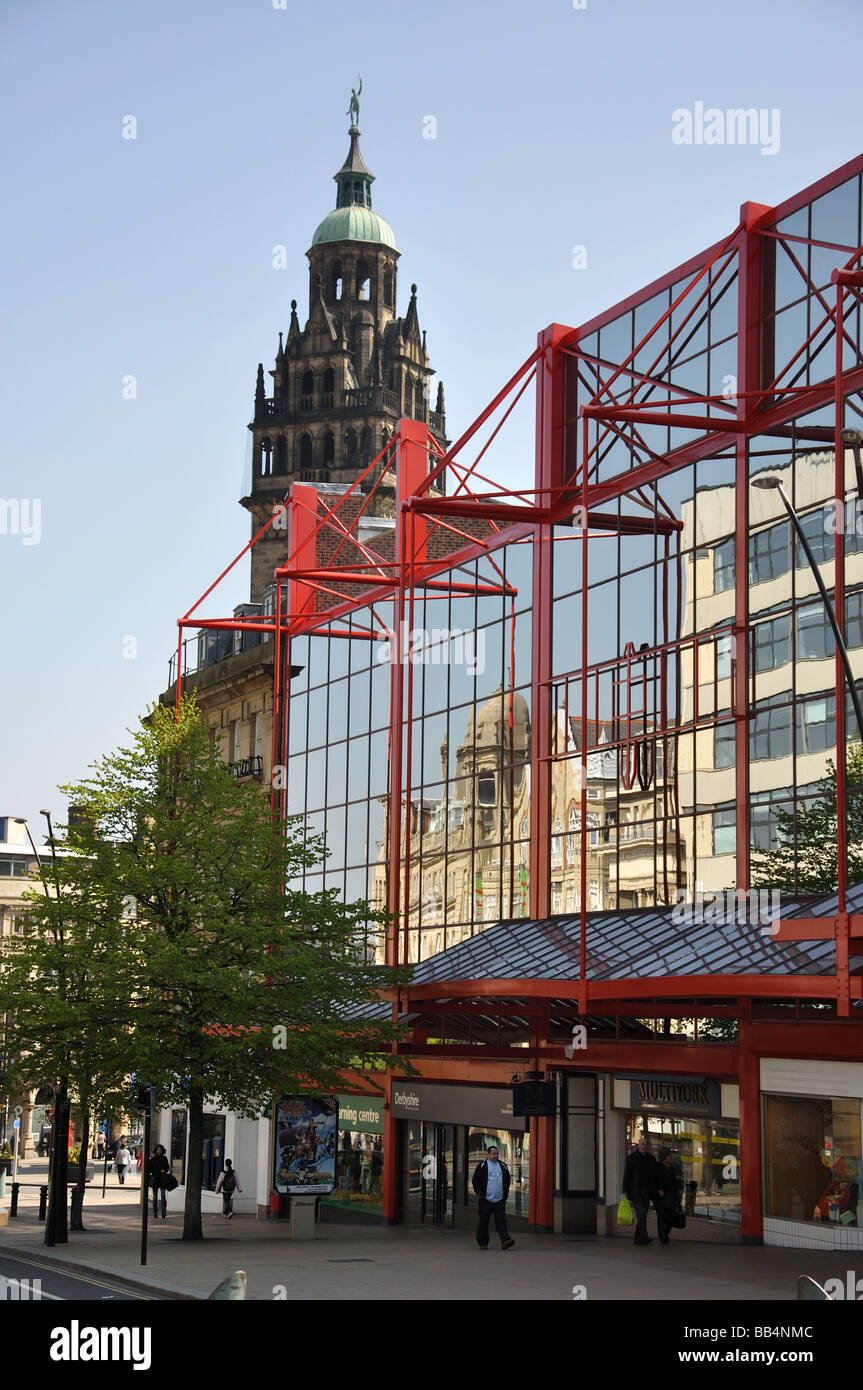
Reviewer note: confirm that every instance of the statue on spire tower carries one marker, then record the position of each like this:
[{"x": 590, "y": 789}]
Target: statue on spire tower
[{"x": 354, "y": 109}]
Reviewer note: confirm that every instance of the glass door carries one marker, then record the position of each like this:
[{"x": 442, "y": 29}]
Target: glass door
[{"x": 438, "y": 1174}]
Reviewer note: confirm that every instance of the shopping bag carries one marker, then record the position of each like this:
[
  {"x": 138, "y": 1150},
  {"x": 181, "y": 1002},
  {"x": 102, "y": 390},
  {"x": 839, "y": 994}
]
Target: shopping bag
[
  {"x": 624, "y": 1212},
  {"x": 171, "y": 1183},
  {"x": 678, "y": 1220}
]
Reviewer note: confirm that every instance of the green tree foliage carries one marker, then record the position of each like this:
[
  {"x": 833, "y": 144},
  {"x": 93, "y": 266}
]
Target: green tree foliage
[
  {"x": 236, "y": 985},
  {"x": 805, "y": 857}
]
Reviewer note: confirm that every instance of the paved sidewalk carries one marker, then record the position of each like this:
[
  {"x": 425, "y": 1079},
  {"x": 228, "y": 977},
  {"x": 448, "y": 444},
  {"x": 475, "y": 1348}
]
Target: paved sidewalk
[{"x": 400, "y": 1264}]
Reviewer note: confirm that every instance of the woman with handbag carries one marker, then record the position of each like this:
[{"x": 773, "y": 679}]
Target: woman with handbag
[
  {"x": 123, "y": 1161},
  {"x": 669, "y": 1189},
  {"x": 157, "y": 1172}
]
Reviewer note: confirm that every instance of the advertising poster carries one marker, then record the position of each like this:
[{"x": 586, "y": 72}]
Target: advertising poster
[{"x": 306, "y": 1139}]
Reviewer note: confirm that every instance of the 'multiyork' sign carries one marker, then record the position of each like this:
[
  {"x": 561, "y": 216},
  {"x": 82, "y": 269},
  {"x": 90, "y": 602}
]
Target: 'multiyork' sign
[{"x": 658, "y": 1092}]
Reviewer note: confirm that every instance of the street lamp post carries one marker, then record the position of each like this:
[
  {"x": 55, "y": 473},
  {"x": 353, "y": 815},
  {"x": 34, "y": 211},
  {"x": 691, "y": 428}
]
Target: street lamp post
[
  {"x": 772, "y": 483},
  {"x": 56, "y": 1224}
]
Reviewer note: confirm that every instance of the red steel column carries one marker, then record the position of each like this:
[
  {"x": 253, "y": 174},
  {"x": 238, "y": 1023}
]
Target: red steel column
[
  {"x": 390, "y": 1173},
  {"x": 751, "y": 1160},
  {"x": 842, "y": 927},
  {"x": 550, "y": 436},
  {"x": 411, "y": 469},
  {"x": 749, "y": 378},
  {"x": 541, "y": 1207}
]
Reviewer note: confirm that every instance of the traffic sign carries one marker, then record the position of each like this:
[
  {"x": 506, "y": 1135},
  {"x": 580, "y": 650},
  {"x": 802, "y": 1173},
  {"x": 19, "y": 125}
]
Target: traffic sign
[{"x": 16, "y": 1123}]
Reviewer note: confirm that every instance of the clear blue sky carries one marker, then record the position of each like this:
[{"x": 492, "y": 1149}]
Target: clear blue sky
[{"x": 153, "y": 257}]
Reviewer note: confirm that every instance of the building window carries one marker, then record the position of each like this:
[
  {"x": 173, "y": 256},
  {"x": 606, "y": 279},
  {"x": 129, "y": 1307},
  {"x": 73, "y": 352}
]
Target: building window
[
  {"x": 305, "y": 454},
  {"x": 266, "y": 457},
  {"x": 281, "y": 463},
  {"x": 815, "y": 638},
  {"x": 179, "y": 1120},
  {"x": 723, "y": 566},
  {"x": 820, "y": 541},
  {"x": 813, "y": 1155},
  {"x": 388, "y": 288},
  {"x": 816, "y": 725},
  {"x": 770, "y": 733},
  {"x": 723, "y": 745},
  {"x": 213, "y": 1151},
  {"x": 772, "y": 643},
  {"x": 769, "y": 553},
  {"x": 237, "y": 741},
  {"x": 724, "y": 831},
  {"x": 259, "y": 735},
  {"x": 854, "y": 620},
  {"x": 12, "y": 867},
  {"x": 485, "y": 789}
]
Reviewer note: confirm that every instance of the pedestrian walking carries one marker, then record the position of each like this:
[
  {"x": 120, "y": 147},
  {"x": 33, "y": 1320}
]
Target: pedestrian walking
[
  {"x": 669, "y": 1190},
  {"x": 639, "y": 1185},
  {"x": 491, "y": 1182},
  {"x": 227, "y": 1183},
  {"x": 158, "y": 1168},
  {"x": 123, "y": 1161}
]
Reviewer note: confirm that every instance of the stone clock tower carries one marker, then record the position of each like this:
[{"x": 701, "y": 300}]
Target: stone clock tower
[{"x": 341, "y": 382}]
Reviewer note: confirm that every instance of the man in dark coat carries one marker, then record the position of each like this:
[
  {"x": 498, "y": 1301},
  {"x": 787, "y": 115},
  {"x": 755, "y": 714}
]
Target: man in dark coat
[
  {"x": 669, "y": 1190},
  {"x": 491, "y": 1181},
  {"x": 639, "y": 1185}
]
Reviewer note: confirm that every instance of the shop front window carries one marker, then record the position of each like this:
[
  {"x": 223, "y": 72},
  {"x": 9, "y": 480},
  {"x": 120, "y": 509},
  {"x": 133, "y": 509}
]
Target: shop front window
[
  {"x": 813, "y": 1159},
  {"x": 705, "y": 1151},
  {"x": 359, "y": 1171},
  {"x": 213, "y": 1153},
  {"x": 178, "y": 1145}
]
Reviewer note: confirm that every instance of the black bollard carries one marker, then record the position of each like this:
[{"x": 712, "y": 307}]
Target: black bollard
[
  {"x": 13, "y": 1206},
  {"x": 43, "y": 1201}
]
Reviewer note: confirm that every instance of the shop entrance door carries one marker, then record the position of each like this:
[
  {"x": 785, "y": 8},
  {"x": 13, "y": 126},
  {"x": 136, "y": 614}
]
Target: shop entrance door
[{"x": 438, "y": 1174}]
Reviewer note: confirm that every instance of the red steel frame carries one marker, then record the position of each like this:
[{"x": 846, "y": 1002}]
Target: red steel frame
[{"x": 565, "y": 481}]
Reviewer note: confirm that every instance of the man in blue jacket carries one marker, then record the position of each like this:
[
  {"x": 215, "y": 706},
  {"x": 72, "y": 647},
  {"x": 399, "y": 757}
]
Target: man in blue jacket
[{"x": 491, "y": 1184}]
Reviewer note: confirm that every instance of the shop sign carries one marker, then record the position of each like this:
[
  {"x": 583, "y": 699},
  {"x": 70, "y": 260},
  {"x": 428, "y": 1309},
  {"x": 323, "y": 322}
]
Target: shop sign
[
  {"x": 455, "y": 1105},
  {"x": 534, "y": 1098},
  {"x": 363, "y": 1113},
  {"x": 690, "y": 1096}
]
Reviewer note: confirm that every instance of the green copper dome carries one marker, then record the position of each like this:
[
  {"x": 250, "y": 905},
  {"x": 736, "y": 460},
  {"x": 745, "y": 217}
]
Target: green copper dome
[{"x": 354, "y": 223}]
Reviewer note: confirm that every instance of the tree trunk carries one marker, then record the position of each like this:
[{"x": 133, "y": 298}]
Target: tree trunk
[
  {"x": 192, "y": 1229},
  {"x": 77, "y": 1220}
]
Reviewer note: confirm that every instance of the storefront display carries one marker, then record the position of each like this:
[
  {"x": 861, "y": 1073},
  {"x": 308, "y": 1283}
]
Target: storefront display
[
  {"x": 360, "y": 1155},
  {"x": 813, "y": 1151}
]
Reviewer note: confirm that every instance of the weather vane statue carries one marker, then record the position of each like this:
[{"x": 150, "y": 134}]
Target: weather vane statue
[{"x": 354, "y": 109}]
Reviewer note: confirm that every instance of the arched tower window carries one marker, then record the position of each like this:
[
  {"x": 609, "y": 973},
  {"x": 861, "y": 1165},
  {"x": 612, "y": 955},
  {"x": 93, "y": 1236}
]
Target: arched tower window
[
  {"x": 304, "y": 454},
  {"x": 363, "y": 280},
  {"x": 308, "y": 390},
  {"x": 336, "y": 281},
  {"x": 329, "y": 450},
  {"x": 329, "y": 387},
  {"x": 388, "y": 288},
  {"x": 281, "y": 463},
  {"x": 351, "y": 449},
  {"x": 366, "y": 447},
  {"x": 419, "y": 400},
  {"x": 266, "y": 457}
]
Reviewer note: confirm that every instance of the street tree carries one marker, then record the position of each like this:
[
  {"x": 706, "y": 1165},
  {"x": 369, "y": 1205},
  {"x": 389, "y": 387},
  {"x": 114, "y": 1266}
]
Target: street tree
[{"x": 241, "y": 985}]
